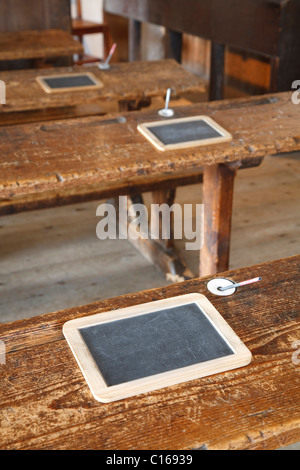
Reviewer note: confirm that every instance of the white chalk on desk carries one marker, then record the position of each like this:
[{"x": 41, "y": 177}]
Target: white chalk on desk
[
  {"x": 222, "y": 286},
  {"x": 166, "y": 112},
  {"x": 214, "y": 286},
  {"x": 239, "y": 284},
  {"x": 106, "y": 65}
]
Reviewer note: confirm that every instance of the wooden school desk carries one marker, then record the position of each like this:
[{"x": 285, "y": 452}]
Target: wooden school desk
[
  {"x": 268, "y": 28},
  {"x": 43, "y": 44},
  {"x": 67, "y": 161},
  {"x": 127, "y": 83},
  {"x": 45, "y": 402},
  {"x": 130, "y": 84}
]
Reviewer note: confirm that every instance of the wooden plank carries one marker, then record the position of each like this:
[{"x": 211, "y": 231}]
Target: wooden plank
[
  {"x": 252, "y": 405},
  {"x": 17, "y": 15},
  {"x": 259, "y": 126},
  {"x": 24, "y": 93},
  {"x": 218, "y": 181},
  {"x": 212, "y": 20},
  {"x": 164, "y": 196},
  {"x": 94, "y": 192},
  {"x": 289, "y": 48},
  {"x": 38, "y": 44},
  {"x": 265, "y": 27},
  {"x": 262, "y": 126},
  {"x": 157, "y": 249}
]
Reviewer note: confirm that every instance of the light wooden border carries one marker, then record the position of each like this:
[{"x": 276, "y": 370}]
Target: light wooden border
[
  {"x": 101, "y": 392},
  {"x": 41, "y": 81},
  {"x": 145, "y": 129}
]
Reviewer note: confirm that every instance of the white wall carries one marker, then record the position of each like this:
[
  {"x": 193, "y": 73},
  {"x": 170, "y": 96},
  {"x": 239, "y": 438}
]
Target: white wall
[
  {"x": 152, "y": 44},
  {"x": 91, "y": 10}
]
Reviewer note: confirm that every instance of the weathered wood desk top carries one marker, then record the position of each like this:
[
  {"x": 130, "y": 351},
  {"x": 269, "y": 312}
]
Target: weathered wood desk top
[
  {"x": 65, "y": 156},
  {"x": 59, "y": 162},
  {"x": 38, "y": 44},
  {"x": 45, "y": 402},
  {"x": 123, "y": 81}
]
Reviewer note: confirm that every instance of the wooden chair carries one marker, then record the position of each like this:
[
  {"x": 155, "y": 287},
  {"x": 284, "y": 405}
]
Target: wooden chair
[{"x": 81, "y": 27}]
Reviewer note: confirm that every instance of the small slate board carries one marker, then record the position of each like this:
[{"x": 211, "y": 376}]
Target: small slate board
[
  {"x": 186, "y": 132},
  {"x": 69, "y": 82},
  {"x": 150, "y": 346}
]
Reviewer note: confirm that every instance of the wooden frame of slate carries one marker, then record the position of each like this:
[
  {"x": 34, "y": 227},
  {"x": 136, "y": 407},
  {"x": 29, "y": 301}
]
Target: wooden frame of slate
[
  {"x": 150, "y": 346},
  {"x": 185, "y": 132},
  {"x": 69, "y": 82}
]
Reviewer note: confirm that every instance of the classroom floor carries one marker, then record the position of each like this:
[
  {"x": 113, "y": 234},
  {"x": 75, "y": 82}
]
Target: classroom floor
[{"x": 52, "y": 259}]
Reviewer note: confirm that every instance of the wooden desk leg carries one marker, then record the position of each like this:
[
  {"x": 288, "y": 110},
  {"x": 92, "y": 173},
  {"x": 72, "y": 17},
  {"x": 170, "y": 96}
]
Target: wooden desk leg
[
  {"x": 218, "y": 182},
  {"x": 160, "y": 252},
  {"x": 165, "y": 251}
]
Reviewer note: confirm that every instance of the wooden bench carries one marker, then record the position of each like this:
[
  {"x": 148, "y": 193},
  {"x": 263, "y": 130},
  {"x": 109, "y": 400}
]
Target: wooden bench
[
  {"x": 43, "y": 44},
  {"x": 267, "y": 28},
  {"x": 62, "y": 162},
  {"x": 46, "y": 403},
  {"x": 129, "y": 84}
]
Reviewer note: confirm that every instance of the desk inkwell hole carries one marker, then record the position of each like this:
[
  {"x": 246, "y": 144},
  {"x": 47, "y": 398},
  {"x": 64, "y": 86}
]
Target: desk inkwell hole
[{"x": 223, "y": 286}]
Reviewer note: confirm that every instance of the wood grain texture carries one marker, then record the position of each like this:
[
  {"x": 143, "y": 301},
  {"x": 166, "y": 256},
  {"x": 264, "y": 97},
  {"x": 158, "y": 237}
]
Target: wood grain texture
[
  {"x": 66, "y": 156},
  {"x": 38, "y": 44},
  {"x": 211, "y": 20},
  {"x": 17, "y": 15},
  {"x": 218, "y": 181},
  {"x": 266, "y": 27},
  {"x": 46, "y": 404},
  {"x": 157, "y": 249},
  {"x": 123, "y": 81}
]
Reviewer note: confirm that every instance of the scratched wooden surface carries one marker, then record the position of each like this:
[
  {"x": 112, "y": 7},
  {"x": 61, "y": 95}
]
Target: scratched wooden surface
[
  {"x": 37, "y": 44},
  {"x": 98, "y": 152},
  {"x": 123, "y": 81},
  {"x": 45, "y": 402}
]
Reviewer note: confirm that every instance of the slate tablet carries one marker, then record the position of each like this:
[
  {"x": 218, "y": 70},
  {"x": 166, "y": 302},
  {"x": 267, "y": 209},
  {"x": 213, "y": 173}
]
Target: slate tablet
[
  {"x": 138, "y": 349},
  {"x": 185, "y": 132},
  {"x": 69, "y": 82}
]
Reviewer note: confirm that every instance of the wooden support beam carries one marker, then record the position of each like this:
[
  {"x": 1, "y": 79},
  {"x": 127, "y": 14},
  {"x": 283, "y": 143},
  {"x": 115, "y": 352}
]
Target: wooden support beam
[
  {"x": 160, "y": 252},
  {"x": 218, "y": 182}
]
